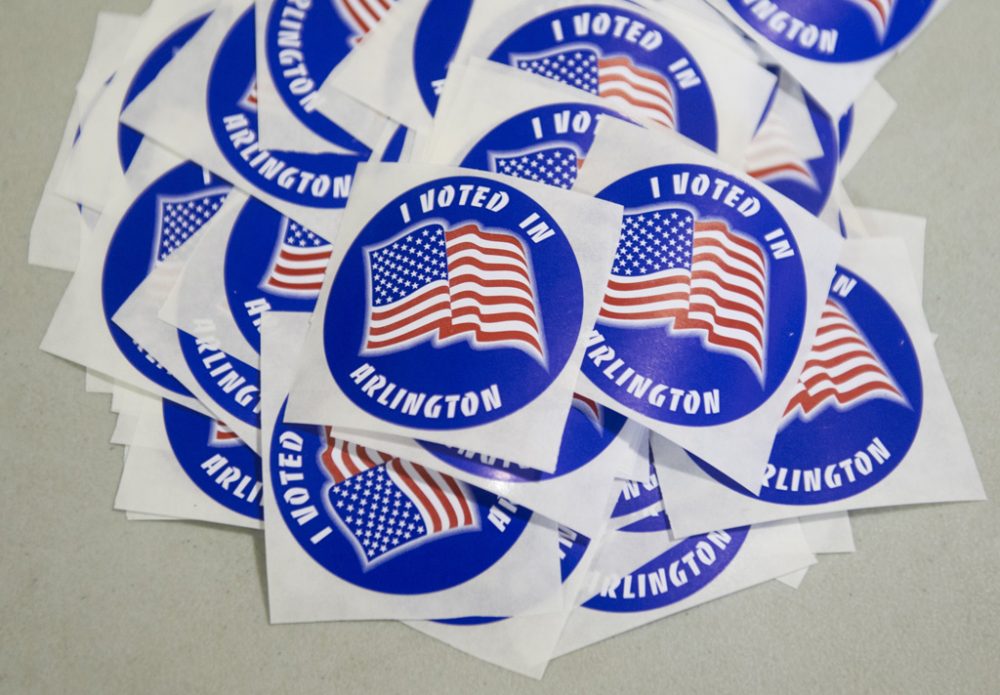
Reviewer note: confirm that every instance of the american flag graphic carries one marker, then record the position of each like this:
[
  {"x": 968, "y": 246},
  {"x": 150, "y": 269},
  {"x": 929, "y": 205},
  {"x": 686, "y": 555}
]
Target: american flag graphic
[
  {"x": 879, "y": 11},
  {"x": 343, "y": 460},
  {"x": 178, "y": 217},
  {"x": 591, "y": 409},
  {"x": 248, "y": 101},
  {"x": 556, "y": 165},
  {"x": 773, "y": 153},
  {"x": 692, "y": 276},
  {"x": 299, "y": 262},
  {"x": 625, "y": 85},
  {"x": 841, "y": 370},
  {"x": 398, "y": 506},
  {"x": 430, "y": 283},
  {"x": 362, "y": 15},
  {"x": 221, "y": 435}
]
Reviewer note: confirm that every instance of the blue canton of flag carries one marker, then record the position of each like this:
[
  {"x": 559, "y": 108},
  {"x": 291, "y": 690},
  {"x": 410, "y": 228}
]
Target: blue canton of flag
[
  {"x": 408, "y": 265},
  {"x": 179, "y": 217},
  {"x": 576, "y": 67},
  {"x": 376, "y": 514},
  {"x": 556, "y": 166}
]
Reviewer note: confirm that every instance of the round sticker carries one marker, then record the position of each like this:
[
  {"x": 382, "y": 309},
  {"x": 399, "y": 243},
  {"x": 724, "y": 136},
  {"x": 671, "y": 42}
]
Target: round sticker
[
  {"x": 313, "y": 180},
  {"x": 304, "y": 42},
  {"x": 438, "y": 33},
  {"x": 590, "y": 429},
  {"x": 857, "y": 407},
  {"x": 834, "y": 31},
  {"x": 160, "y": 220},
  {"x": 233, "y": 384},
  {"x": 128, "y": 138},
  {"x": 271, "y": 263},
  {"x": 546, "y": 144},
  {"x": 687, "y": 567},
  {"x": 384, "y": 524},
  {"x": 623, "y": 56},
  {"x": 458, "y": 303},
  {"x": 222, "y": 466},
  {"x": 807, "y": 182},
  {"x": 705, "y": 306}
]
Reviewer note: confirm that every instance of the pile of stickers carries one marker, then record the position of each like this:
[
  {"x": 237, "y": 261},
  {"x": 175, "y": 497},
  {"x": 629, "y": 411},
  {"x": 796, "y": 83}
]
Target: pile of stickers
[{"x": 525, "y": 322}]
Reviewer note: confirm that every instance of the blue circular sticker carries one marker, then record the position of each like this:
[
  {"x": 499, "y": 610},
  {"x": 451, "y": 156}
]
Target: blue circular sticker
[
  {"x": 233, "y": 384},
  {"x": 808, "y": 182},
  {"x": 215, "y": 459},
  {"x": 686, "y": 567},
  {"x": 857, "y": 407},
  {"x": 547, "y": 144},
  {"x": 161, "y": 219},
  {"x": 313, "y": 180},
  {"x": 384, "y": 524},
  {"x": 457, "y": 304},
  {"x": 128, "y": 138},
  {"x": 834, "y": 31},
  {"x": 624, "y": 57},
  {"x": 590, "y": 429},
  {"x": 704, "y": 309},
  {"x": 438, "y": 34},
  {"x": 304, "y": 42},
  {"x": 271, "y": 263}
]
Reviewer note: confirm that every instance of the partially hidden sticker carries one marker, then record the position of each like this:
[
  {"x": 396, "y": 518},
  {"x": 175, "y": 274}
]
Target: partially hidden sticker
[
  {"x": 705, "y": 306},
  {"x": 383, "y": 523},
  {"x": 215, "y": 459},
  {"x": 857, "y": 407},
  {"x": 622, "y": 56}
]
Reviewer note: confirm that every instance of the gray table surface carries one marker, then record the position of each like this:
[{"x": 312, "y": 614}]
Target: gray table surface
[{"x": 92, "y": 604}]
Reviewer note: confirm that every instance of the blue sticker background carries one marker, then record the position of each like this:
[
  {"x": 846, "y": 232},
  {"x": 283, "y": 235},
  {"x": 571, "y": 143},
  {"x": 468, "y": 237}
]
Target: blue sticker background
[
  {"x": 189, "y": 433},
  {"x": 823, "y": 168},
  {"x": 693, "y": 107},
  {"x": 304, "y": 42},
  {"x": 702, "y": 551},
  {"x": 436, "y": 565},
  {"x": 858, "y": 35},
  {"x": 255, "y": 235},
  {"x": 438, "y": 33},
  {"x": 456, "y": 368},
  {"x": 232, "y": 383},
  {"x": 834, "y": 435},
  {"x": 130, "y": 259},
  {"x": 681, "y": 361},
  {"x": 581, "y": 443},
  {"x": 313, "y": 180},
  {"x": 128, "y": 138}
]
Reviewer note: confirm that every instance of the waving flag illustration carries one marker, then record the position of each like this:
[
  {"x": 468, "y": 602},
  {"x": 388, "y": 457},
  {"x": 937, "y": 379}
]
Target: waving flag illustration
[
  {"x": 624, "y": 84},
  {"x": 692, "y": 276},
  {"x": 842, "y": 370},
  {"x": 343, "y": 460},
  {"x": 299, "y": 262},
  {"x": 879, "y": 11},
  {"x": 591, "y": 409},
  {"x": 363, "y": 15},
  {"x": 556, "y": 165},
  {"x": 249, "y": 99},
  {"x": 430, "y": 283},
  {"x": 178, "y": 217},
  {"x": 773, "y": 153},
  {"x": 395, "y": 507},
  {"x": 221, "y": 435}
]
